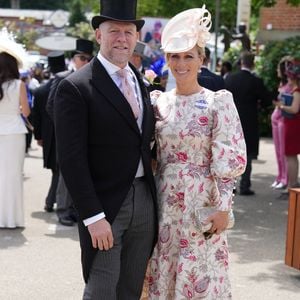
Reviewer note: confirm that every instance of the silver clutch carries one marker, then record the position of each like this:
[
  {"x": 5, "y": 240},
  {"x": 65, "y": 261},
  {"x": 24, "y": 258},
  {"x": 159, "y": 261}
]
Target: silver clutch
[{"x": 204, "y": 212}]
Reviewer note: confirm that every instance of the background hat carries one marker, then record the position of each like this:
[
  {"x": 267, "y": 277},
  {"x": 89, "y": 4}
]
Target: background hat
[
  {"x": 185, "y": 30},
  {"x": 293, "y": 69},
  {"x": 116, "y": 10},
  {"x": 8, "y": 45},
  {"x": 56, "y": 61},
  {"x": 83, "y": 46},
  {"x": 140, "y": 49}
]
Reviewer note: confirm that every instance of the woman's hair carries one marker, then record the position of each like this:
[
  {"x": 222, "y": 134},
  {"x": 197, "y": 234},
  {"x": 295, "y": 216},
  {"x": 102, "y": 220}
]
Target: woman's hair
[
  {"x": 8, "y": 70},
  {"x": 201, "y": 52},
  {"x": 282, "y": 65}
]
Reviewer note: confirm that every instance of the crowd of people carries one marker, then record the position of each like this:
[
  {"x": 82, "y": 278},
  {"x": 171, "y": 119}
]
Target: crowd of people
[{"x": 137, "y": 165}]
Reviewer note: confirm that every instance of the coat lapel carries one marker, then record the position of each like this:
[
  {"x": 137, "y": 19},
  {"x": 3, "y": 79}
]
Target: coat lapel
[
  {"x": 105, "y": 86},
  {"x": 145, "y": 99}
]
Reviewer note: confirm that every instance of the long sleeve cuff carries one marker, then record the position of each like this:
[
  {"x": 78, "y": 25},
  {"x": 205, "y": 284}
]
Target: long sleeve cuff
[{"x": 93, "y": 219}]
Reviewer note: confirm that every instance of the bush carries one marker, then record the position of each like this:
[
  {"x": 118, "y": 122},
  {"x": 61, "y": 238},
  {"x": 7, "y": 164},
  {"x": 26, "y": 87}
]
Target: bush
[
  {"x": 270, "y": 57},
  {"x": 267, "y": 70}
]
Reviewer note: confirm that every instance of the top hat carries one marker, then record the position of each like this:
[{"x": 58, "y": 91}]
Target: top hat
[
  {"x": 116, "y": 10},
  {"x": 56, "y": 61},
  {"x": 140, "y": 49},
  {"x": 83, "y": 46},
  {"x": 186, "y": 30}
]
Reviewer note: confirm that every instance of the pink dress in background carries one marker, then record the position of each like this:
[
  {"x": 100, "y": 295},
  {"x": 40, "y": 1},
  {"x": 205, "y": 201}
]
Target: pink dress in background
[{"x": 278, "y": 138}]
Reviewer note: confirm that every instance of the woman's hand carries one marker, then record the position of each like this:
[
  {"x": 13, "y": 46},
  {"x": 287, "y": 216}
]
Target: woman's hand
[{"x": 219, "y": 221}]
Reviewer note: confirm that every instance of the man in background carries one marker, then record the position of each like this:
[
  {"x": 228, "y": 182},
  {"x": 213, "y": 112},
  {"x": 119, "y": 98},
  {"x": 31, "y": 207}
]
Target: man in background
[
  {"x": 248, "y": 92},
  {"x": 80, "y": 57},
  {"x": 208, "y": 79}
]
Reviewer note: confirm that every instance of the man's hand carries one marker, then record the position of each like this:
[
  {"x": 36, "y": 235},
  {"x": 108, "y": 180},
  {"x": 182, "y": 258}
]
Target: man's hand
[
  {"x": 40, "y": 142},
  {"x": 101, "y": 235}
]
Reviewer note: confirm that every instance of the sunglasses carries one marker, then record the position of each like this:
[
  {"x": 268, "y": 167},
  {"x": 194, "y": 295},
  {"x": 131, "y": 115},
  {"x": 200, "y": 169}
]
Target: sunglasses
[{"x": 83, "y": 57}]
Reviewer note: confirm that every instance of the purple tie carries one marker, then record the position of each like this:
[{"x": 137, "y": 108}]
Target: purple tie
[{"x": 127, "y": 90}]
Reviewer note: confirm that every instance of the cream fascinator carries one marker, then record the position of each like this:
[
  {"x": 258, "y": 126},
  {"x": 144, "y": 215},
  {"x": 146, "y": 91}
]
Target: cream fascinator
[
  {"x": 8, "y": 45},
  {"x": 186, "y": 29}
]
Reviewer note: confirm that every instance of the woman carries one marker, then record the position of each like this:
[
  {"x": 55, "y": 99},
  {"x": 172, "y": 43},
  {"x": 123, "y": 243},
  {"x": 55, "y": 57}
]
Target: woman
[
  {"x": 292, "y": 124},
  {"x": 13, "y": 103},
  {"x": 201, "y": 151},
  {"x": 278, "y": 126}
]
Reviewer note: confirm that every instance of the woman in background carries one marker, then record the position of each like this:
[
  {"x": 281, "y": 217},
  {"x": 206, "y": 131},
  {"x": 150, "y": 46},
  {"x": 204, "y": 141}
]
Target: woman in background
[
  {"x": 285, "y": 86},
  {"x": 292, "y": 124},
  {"x": 13, "y": 103}
]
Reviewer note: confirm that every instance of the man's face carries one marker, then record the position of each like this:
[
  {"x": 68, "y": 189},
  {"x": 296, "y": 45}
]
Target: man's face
[
  {"x": 136, "y": 60},
  {"x": 117, "y": 41},
  {"x": 80, "y": 60}
]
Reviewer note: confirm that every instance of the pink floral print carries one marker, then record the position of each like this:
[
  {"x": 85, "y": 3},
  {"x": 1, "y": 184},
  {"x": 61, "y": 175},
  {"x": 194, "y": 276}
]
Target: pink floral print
[{"x": 201, "y": 150}]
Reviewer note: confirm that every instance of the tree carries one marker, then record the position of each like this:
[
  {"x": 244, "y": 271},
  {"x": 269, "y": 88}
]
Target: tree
[{"x": 76, "y": 13}]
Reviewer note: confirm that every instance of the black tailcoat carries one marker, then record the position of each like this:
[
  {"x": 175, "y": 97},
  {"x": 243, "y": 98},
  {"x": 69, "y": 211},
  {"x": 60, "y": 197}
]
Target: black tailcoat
[
  {"x": 210, "y": 80},
  {"x": 99, "y": 145},
  {"x": 248, "y": 91},
  {"x": 43, "y": 125}
]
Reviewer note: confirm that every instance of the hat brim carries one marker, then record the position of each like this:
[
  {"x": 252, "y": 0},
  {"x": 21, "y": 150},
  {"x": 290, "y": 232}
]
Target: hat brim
[
  {"x": 10, "y": 48},
  {"x": 97, "y": 20}
]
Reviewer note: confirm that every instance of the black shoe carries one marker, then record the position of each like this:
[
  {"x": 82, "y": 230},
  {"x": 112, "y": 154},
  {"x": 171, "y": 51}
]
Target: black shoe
[
  {"x": 48, "y": 208},
  {"x": 66, "y": 221},
  {"x": 74, "y": 218},
  {"x": 247, "y": 193}
]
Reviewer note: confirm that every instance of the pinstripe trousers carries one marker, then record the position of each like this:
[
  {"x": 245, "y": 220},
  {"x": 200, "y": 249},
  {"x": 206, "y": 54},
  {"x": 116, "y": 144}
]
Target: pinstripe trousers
[{"x": 119, "y": 272}]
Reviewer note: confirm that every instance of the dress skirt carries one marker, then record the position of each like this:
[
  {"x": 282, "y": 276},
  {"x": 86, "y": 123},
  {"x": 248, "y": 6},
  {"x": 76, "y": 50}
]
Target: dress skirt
[
  {"x": 292, "y": 136},
  {"x": 12, "y": 154}
]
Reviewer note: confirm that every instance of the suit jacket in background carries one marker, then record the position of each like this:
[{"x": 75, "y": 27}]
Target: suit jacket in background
[
  {"x": 248, "y": 92},
  {"x": 43, "y": 125},
  {"x": 210, "y": 80},
  {"x": 99, "y": 145},
  {"x": 53, "y": 88}
]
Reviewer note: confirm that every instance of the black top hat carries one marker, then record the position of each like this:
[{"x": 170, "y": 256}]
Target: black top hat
[
  {"x": 83, "y": 46},
  {"x": 140, "y": 49},
  {"x": 118, "y": 10},
  {"x": 56, "y": 61}
]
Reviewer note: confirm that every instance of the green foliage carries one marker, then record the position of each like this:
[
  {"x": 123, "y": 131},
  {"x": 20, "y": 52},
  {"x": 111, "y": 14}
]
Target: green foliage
[
  {"x": 267, "y": 70},
  {"x": 272, "y": 54},
  {"x": 76, "y": 13}
]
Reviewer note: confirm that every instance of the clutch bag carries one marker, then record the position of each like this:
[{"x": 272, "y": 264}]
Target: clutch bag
[{"x": 204, "y": 212}]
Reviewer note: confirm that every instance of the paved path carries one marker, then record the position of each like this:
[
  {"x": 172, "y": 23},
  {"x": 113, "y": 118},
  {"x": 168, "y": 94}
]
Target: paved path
[{"x": 42, "y": 261}]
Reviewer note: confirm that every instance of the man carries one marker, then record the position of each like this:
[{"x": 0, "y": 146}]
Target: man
[
  {"x": 44, "y": 127},
  {"x": 208, "y": 79},
  {"x": 103, "y": 143},
  {"x": 80, "y": 57},
  {"x": 248, "y": 91},
  {"x": 137, "y": 57}
]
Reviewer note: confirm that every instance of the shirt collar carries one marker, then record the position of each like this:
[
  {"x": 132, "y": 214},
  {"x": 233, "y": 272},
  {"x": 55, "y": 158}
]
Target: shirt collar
[{"x": 109, "y": 67}]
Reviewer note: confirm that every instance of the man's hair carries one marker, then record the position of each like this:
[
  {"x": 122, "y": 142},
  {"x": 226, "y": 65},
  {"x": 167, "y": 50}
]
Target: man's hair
[{"x": 247, "y": 59}]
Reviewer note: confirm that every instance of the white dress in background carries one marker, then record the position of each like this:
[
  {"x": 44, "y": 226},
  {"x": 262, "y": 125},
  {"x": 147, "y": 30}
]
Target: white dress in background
[{"x": 12, "y": 153}]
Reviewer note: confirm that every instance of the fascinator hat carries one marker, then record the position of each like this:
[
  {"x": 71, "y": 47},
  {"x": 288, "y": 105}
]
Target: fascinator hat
[
  {"x": 186, "y": 30},
  {"x": 8, "y": 45}
]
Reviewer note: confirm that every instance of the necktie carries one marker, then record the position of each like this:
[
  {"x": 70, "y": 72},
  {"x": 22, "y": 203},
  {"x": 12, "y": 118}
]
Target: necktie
[{"x": 127, "y": 90}]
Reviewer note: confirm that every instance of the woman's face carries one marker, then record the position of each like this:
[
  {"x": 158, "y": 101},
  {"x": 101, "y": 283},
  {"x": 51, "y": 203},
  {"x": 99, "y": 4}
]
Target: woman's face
[{"x": 185, "y": 65}]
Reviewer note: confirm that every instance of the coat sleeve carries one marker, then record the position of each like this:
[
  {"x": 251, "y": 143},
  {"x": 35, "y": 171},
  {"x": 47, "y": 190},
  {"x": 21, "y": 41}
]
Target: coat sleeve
[
  {"x": 228, "y": 147},
  {"x": 71, "y": 125},
  {"x": 37, "y": 115}
]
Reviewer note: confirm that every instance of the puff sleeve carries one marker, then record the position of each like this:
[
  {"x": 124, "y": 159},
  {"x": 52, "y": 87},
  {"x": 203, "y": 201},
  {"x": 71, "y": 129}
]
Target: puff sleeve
[{"x": 228, "y": 147}]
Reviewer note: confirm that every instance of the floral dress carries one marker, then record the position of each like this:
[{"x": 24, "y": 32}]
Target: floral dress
[{"x": 201, "y": 150}]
